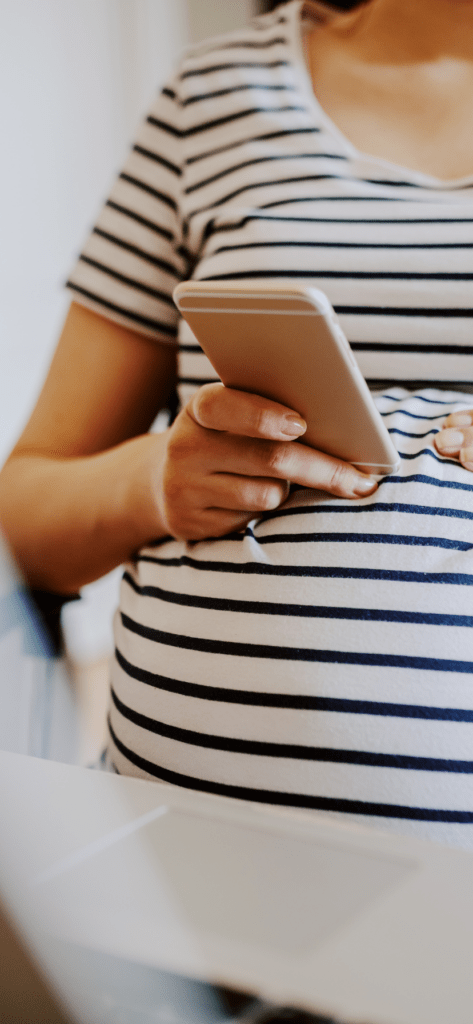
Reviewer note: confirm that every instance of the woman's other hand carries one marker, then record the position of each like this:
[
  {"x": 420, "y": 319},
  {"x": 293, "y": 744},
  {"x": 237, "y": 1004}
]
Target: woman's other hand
[
  {"x": 230, "y": 455},
  {"x": 456, "y": 438}
]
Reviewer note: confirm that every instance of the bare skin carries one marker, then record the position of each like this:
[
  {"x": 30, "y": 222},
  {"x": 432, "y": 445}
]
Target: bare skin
[
  {"x": 86, "y": 485},
  {"x": 396, "y": 76}
]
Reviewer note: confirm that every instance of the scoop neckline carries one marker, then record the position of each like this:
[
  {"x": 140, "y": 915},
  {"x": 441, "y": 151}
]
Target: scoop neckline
[{"x": 301, "y": 68}]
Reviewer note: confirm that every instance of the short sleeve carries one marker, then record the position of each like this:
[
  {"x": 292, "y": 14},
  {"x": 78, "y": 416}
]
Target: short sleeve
[{"x": 134, "y": 256}]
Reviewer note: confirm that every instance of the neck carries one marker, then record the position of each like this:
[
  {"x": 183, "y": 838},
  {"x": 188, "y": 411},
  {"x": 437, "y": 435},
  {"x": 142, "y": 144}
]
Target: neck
[{"x": 411, "y": 30}]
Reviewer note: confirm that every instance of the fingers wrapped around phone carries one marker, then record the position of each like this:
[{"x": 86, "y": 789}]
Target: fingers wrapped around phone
[
  {"x": 456, "y": 438},
  {"x": 214, "y": 481},
  {"x": 239, "y": 412}
]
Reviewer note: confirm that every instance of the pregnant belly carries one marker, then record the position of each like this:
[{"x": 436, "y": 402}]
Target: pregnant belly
[{"x": 324, "y": 658}]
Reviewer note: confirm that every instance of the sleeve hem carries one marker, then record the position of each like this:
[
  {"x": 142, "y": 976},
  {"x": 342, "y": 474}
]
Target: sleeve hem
[{"x": 121, "y": 318}]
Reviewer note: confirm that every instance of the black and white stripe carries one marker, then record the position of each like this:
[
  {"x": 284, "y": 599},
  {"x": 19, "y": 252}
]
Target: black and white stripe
[{"x": 323, "y": 658}]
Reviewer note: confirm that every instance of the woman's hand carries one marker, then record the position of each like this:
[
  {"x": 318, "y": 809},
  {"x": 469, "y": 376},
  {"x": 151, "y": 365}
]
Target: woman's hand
[
  {"x": 230, "y": 455},
  {"x": 456, "y": 437},
  {"x": 101, "y": 486}
]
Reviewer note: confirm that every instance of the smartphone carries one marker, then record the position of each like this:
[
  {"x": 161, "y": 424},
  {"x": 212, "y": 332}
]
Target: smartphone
[{"x": 284, "y": 342}]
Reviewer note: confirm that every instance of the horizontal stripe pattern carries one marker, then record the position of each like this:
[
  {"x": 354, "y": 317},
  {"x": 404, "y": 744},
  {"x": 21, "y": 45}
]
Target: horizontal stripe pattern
[
  {"x": 323, "y": 657},
  {"x": 295, "y": 752},
  {"x": 236, "y": 173},
  {"x": 299, "y": 702},
  {"x": 305, "y": 801}
]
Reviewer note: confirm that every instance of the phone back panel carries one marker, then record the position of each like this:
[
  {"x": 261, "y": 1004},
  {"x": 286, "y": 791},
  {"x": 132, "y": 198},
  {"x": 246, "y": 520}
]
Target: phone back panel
[{"x": 287, "y": 346}]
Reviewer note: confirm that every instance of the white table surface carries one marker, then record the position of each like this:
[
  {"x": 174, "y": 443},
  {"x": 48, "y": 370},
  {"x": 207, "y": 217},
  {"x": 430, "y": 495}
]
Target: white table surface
[{"x": 75, "y": 853}]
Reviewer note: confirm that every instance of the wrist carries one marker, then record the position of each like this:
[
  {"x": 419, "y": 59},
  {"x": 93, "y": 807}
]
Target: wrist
[{"x": 139, "y": 495}]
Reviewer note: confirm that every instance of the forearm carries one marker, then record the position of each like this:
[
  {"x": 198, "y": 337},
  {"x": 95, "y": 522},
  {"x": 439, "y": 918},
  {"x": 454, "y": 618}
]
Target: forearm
[
  {"x": 69, "y": 521},
  {"x": 227, "y": 456}
]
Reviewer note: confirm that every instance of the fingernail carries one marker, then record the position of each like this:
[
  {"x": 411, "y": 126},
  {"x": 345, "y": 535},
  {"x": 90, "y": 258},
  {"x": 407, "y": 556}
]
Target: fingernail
[
  {"x": 467, "y": 458},
  {"x": 293, "y": 425},
  {"x": 364, "y": 485},
  {"x": 461, "y": 419},
  {"x": 449, "y": 439}
]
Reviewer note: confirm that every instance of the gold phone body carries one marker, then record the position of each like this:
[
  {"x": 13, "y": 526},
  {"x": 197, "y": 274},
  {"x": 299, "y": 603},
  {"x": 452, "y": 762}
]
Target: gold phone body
[{"x": 284, "y": 342}]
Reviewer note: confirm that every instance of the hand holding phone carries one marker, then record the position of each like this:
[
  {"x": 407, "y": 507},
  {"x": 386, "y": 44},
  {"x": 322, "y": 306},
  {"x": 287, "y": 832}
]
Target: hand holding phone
[
  {"x": 285, "y": 344},
  {"x": 230, "y": 455}
]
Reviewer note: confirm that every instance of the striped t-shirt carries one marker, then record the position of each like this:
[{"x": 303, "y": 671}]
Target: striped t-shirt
[{"x": 323, "y": 658}]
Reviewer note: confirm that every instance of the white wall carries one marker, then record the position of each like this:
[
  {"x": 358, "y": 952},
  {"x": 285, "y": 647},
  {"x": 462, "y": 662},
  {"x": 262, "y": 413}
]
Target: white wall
[
  {"x": 211, "y": 17},
  {"x": 74, "y": 77}
]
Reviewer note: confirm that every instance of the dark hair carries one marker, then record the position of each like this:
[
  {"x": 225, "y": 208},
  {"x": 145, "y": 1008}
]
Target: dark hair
[{"x": 269, "y": 5}]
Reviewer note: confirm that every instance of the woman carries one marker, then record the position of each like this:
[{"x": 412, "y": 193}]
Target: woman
[{"x": 307, "y": 647}]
